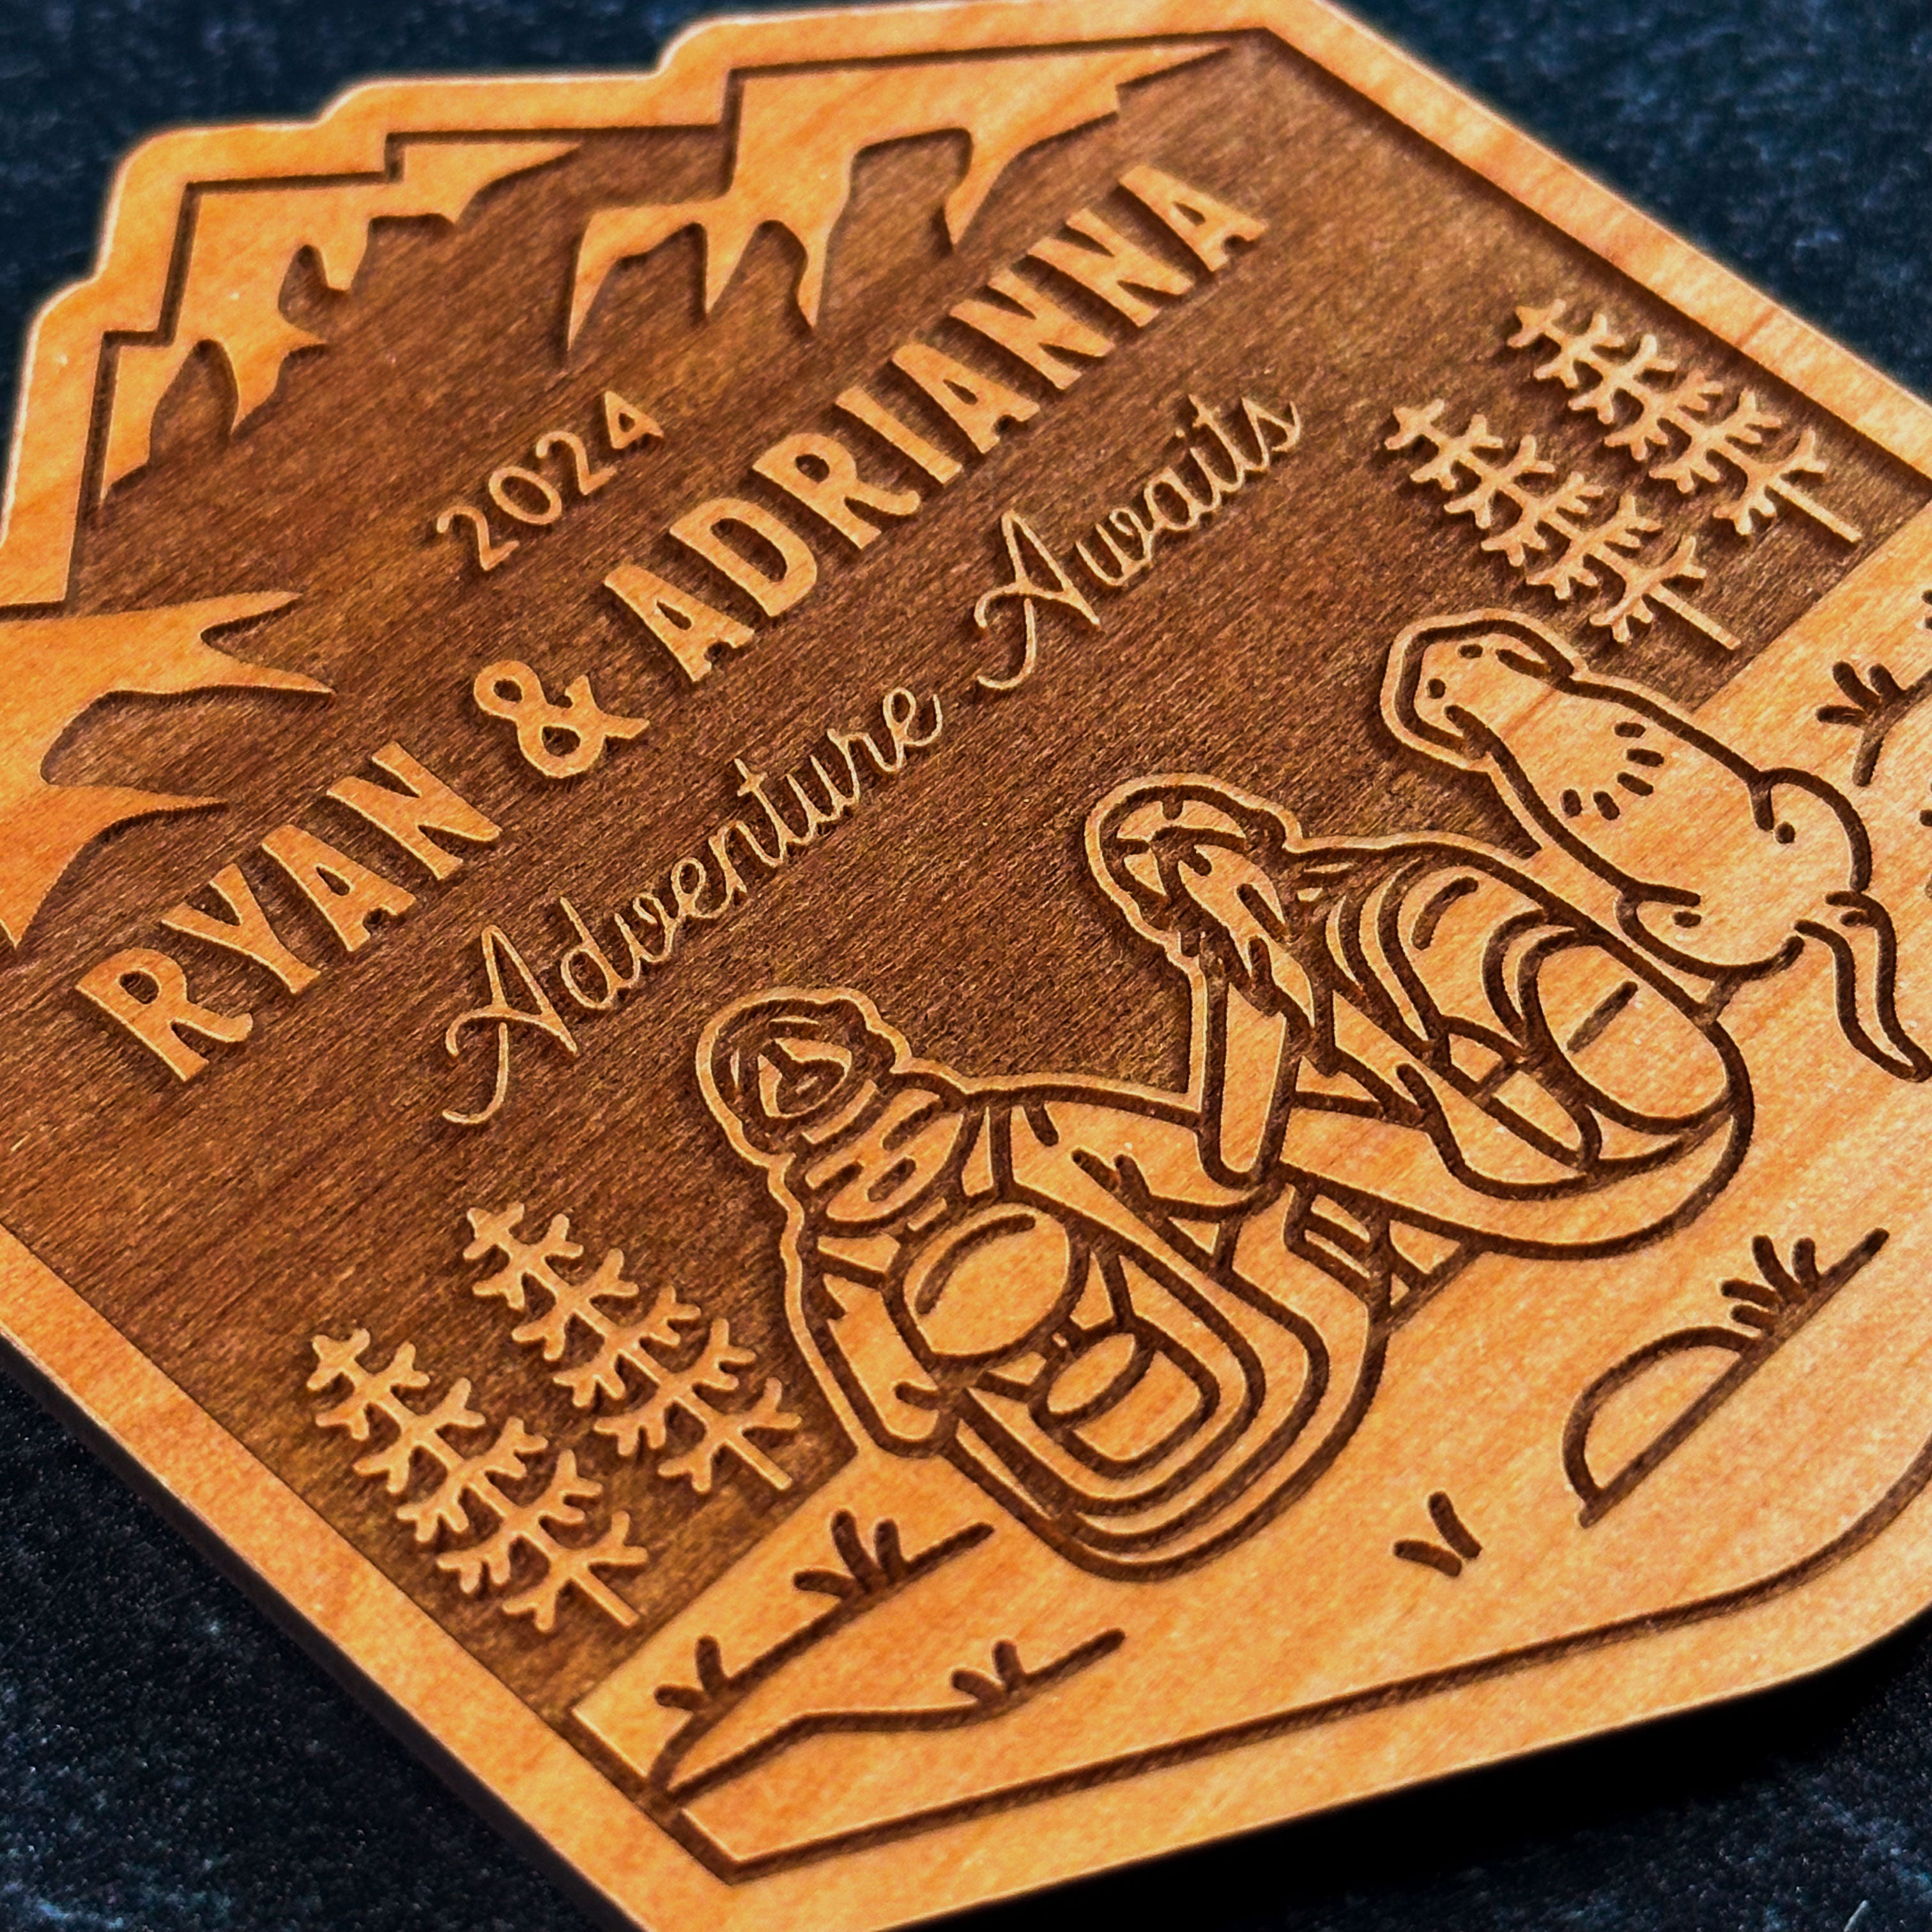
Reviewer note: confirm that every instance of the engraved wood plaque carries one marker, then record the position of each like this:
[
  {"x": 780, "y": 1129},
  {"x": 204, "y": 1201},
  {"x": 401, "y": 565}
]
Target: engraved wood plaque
[{"x": 982, "y": 939}]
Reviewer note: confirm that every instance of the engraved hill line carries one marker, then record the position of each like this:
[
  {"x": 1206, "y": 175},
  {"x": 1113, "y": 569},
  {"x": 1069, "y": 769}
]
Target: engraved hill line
[{"x": 799, "y": 134}]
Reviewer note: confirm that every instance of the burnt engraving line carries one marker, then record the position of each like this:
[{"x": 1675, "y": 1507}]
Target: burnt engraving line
[
  {"x": 1788, "y": 857},
  {"x": 1857, "y": 932},
  {"x": 970, "y": 1137},
  {"x": 1451, "y": 1528},
  {"x": 1393, "y": 1694},
  {"x": 1596, "y": 1023},
  {"x": 1298, "y": 953},
  {"x": 869, "y": 1578},
  {"x": 1458, "y": 1548},
  {"x": 1049, "y": 1395},
  {"x": 1444, "y": 1562},
  {"x": 1433, "y": 911},
  {"x": 1228, "y": 1422},
  {"x": 1349, "y": 877},
  {"x": 1772, "y": 1309},
  {"x": 1012, "y": 1685},
  {"x": 1875, "y": 704}
]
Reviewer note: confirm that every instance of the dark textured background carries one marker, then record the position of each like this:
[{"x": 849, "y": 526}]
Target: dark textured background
[{"x": 168, "y": 1763}]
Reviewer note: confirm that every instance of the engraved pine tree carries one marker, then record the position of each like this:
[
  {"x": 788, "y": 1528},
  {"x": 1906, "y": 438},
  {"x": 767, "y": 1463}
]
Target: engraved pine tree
[
  {"x": 1482, "y": 478},
  {"x": 566, "y": 1566},
  {"x": 676, "y": 1398},
  {"x": 467, "y": 1482},
  {"x": 1681, "y": 420},
  {"x": 686, "y": 1392}
]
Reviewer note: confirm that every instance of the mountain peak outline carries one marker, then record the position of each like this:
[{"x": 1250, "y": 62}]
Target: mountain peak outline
[
  {"x": 799, "y": 134},
  {"x": 242, "y": 247}
]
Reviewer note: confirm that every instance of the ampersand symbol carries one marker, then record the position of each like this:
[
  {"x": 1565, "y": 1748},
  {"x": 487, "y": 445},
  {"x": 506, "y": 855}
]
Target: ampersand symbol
[{"x": 513, "y": 691}]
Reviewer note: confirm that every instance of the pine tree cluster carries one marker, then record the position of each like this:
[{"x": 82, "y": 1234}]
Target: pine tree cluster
[
  {"x": 660, "y": 1381},
  {"x": 1685, "y": 421},
  {"x": 1554, "y": 524},
  {"x": 491, "y": 1478}
]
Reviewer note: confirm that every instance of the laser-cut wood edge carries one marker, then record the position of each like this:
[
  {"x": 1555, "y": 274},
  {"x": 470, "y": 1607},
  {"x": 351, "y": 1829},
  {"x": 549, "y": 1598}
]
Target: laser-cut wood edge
[{"x": 56, "y": 410}]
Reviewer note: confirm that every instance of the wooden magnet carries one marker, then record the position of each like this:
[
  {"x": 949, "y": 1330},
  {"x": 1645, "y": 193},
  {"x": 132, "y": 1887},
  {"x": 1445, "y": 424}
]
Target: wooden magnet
[{"x": 991, "y": 936}]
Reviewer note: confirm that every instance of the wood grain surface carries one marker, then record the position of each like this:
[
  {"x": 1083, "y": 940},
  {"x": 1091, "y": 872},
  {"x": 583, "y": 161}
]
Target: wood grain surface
[{"x": 1222, "y": 1245}]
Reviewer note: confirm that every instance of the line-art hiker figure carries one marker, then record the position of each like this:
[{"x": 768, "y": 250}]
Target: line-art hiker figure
[
  {"x": 1145, "y": 1321},
  {"x": 1083, "y": 1333}
]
